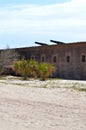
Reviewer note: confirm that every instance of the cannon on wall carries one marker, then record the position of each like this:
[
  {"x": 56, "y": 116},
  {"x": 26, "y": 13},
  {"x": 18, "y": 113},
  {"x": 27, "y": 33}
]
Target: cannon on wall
[
  {"x": 57, "y": 42},
  {"x": 42, "y": 44}
]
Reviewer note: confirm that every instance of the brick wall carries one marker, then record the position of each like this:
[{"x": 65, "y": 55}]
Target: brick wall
[{"x": 66, "y": 57}]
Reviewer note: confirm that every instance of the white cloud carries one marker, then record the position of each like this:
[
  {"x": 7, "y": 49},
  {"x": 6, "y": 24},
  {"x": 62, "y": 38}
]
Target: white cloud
[{"x": 57, "y": 19}]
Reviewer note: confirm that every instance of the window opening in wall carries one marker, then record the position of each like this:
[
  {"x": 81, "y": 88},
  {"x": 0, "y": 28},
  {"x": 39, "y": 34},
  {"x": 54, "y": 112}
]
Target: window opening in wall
[
  {"x": 68, "y": 58},
  {"x": 42, "y": 58},
  {"x": 54, "y": 59},
  {"x": 83, "y": 58}
]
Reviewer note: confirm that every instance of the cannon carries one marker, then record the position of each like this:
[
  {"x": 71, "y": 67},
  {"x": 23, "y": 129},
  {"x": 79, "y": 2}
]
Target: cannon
[
  {"x": 42, "y": 44},
  {"x": 57, "y": 42}
]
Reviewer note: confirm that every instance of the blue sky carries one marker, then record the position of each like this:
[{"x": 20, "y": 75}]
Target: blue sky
[
  {"x": 22, "y": 22},
  {"x": 41, "y": 2}
]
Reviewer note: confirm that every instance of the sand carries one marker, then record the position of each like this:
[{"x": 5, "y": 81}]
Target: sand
[{"x": 36, "y": 105}]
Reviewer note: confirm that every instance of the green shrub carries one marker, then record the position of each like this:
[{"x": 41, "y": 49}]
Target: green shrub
[
  {"x": 45, "y": 70},
  {"x": 33, "y": 69},
  {"x": 22, "y": 68}
]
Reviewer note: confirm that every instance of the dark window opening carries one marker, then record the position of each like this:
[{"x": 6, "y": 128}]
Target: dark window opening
[
  {"x": 54, "y": 59},
  {"x": 68, "y": 58},
  {"x": 83, "y": 58},
  {"x": 43, "y": 58}
]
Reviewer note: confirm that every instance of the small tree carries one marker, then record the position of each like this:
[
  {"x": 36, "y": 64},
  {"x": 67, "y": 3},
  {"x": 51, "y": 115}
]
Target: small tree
[
  {"x": 7, "y": 57},
  {"x": 45, "y": 70}
]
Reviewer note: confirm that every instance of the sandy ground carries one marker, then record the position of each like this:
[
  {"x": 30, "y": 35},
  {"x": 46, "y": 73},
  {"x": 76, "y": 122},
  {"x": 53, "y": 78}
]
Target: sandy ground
[{"x": 25, "y": 107}]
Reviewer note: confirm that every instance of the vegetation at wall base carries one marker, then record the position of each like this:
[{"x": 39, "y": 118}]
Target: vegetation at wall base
[
  {"x": 22, "y": 68},
  {"x": 33, "y": 69},
  {"x": 45, "y": 70}
]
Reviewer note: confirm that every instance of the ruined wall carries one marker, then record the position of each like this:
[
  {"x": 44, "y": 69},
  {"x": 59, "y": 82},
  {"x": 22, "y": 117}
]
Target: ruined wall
[{"x": 69, "y": 59}]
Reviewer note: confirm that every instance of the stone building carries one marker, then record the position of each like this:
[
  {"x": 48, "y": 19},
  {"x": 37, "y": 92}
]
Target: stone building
[{"x": 69, "y": 59}]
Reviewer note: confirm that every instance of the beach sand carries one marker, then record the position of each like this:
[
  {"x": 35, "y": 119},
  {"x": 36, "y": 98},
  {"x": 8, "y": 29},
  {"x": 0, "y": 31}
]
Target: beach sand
[{"x": 23, "y": 106}]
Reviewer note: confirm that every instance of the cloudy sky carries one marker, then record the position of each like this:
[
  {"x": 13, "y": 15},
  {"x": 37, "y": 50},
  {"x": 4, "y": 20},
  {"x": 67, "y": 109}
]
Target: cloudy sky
[{"x": 22, "y": 22}]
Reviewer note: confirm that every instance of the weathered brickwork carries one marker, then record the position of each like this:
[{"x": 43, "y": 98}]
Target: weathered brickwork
[{"x": 69, "y": 59}]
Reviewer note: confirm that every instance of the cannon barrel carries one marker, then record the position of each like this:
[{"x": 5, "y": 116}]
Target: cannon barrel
[
  {"x": 57, "y": 42},
  {"x": 42, "y": 44}
]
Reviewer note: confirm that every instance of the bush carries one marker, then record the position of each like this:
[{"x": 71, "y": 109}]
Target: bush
[
  {"x": 33, "y": 69},
  {"x": 22, "y": 68},
  {"x": 45, "y": 70}
]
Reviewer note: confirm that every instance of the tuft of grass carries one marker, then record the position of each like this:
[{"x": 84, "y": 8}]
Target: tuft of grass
[
  {"x": 79, "y": 87},
  {"x": 2, "y": 78},
  {"x": 82, "y": 89}
]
